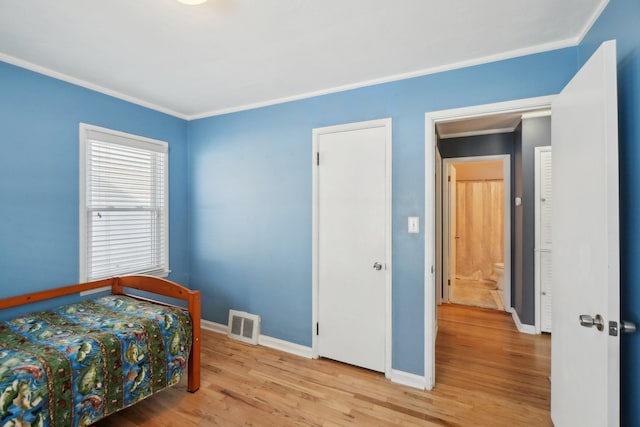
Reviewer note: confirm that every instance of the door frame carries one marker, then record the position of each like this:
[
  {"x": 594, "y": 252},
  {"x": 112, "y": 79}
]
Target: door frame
[
  {"x": 538, "y": 237},
  {"x": 316, "y": 132},
  {"x": 446, "y": 224},
  {"x": 431, "y": 119}
]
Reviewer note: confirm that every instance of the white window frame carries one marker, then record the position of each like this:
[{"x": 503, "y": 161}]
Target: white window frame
[{"x": 88, "y": 132}]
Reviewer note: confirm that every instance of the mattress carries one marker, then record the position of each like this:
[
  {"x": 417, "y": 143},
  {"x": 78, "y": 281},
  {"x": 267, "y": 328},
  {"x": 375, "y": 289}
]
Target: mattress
[{"x": 83, "y": 361}]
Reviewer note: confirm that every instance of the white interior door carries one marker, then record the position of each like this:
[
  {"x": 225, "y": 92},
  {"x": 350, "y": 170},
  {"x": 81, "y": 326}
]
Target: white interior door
[
  {"x": 543, "y": 214},
  {"x": 352, "y": 244},
  {"x": 453, "y": 232},
  {"x": 439, "y": 229},
  {"x": 585, "y": 258}
]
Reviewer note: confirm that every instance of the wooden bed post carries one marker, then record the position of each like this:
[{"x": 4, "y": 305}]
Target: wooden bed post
[
  {"x": 116, "y": 287},
  {"x": 194, "y": 354}
]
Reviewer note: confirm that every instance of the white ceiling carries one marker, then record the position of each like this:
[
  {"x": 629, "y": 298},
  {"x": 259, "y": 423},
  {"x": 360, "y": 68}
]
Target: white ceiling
[{"x": 227, "y": 55}]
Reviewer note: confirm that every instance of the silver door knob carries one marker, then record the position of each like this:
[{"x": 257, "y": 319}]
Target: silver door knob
[
  {"x": 588, "y": 321},
  {"x": 377, "y": 266}
]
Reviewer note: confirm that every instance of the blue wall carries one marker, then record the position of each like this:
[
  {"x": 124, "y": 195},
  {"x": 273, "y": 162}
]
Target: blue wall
[
  {"x": 250, "y": 193},
  {"x": 39, "y": 169},
  {"x": 250, "y": 188},
  {"x": 621, "y": 21}
]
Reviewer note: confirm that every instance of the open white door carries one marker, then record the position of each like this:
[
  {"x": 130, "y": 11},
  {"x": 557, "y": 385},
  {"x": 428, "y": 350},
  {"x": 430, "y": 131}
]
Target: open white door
[
  {"x": 544, "y": 242},
  {"x": 453, "y": 230},
  {"x": 439, "y": 229},
  {"x": 585, "y": 260},
  {"x": 449, "y": 228}
]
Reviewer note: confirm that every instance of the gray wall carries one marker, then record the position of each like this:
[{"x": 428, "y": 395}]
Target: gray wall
[
  {"x": 517, "y": 300},
  {"x": 481, "y": 145},
  {"x": 536, "y": 132}
]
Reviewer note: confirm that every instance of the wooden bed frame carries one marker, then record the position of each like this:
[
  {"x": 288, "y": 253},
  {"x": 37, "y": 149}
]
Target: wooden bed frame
[{"x": 118, "y": 285}]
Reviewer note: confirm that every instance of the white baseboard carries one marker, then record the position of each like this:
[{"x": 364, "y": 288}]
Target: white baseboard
[
  {"x": 275, "y": 343},
  {"x": 398, "y": 377},
  {"x": 522, "y": 328},
  {"x": 213, "y": 326},
  {"x": 408, "y": 379},
  {"x": 286, "y": 346}
]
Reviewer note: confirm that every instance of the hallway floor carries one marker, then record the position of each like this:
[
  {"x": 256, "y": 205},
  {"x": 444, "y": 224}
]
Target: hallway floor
[{"x": 477, "y": 293}]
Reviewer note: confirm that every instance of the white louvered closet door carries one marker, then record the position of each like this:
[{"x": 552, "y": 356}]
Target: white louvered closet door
[{"x": 545, "y": 244}]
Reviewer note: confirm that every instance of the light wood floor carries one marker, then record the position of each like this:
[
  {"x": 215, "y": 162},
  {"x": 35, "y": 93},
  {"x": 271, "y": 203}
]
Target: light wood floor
[{"x": 487, "y": 374}]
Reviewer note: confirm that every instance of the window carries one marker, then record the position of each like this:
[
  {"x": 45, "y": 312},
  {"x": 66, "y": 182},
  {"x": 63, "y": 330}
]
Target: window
[{"x": 123, "y": 204}]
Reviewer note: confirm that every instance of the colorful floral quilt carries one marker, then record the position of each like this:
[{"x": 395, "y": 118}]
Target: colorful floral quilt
[{"x": 78, "y": 363}]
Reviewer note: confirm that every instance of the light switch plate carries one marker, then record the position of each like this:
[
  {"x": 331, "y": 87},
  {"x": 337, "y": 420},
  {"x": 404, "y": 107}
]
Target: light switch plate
[{"x": 414, "y": 224}]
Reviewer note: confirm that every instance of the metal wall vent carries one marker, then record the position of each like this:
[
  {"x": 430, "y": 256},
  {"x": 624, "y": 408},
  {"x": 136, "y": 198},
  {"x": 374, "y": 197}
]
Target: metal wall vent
[{"x": 244, "y": 326}]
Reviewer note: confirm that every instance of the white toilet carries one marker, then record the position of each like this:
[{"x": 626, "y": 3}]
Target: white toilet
[{"x": 498, "y": 269}]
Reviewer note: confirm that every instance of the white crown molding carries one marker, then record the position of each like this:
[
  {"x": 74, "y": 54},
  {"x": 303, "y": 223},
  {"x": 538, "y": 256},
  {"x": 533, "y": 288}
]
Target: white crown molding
[
  {"x": 591, "y": 21},
  {"x": 570, "y": 42},
  {"x": 397, "y": 77},
  {"x": 87, "y": 85}
]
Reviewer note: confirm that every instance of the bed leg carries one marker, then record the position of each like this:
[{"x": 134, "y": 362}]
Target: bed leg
[{"x": 194, "y": 356}]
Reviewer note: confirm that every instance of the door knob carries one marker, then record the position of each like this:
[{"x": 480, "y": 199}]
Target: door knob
[
  {"x": 588, "y": 321},
  {"x": 377, "y": 266}
]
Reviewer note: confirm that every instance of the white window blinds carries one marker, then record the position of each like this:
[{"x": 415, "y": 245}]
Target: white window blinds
[{"x": 123, "y": 205}]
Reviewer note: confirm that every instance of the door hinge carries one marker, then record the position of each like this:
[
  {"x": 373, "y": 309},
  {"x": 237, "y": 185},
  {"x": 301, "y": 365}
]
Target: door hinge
[
  {"x": 449, "y": 178},
  {"x": 317, "y": 328},
  {"x": 449, "y": 282},
  {"x": 318, "y": 158}
]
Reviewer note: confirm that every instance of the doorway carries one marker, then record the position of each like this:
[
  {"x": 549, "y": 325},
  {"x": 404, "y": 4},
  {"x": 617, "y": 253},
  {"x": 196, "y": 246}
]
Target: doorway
[
  {"x": 352, "y": 244},
  {"x": 476, "y": 227},
  {"x": 469, "y": 114},
  {"x": 585, "y": 238}
]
